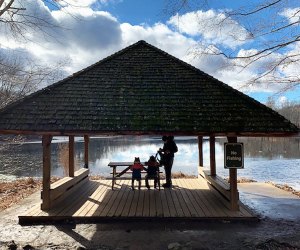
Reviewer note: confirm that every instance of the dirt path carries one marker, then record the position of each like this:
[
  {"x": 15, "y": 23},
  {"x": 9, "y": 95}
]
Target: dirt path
[{"x": 278, "y": 232}]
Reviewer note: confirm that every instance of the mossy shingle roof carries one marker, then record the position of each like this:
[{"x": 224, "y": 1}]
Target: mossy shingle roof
[{"x": 141, "y": 90}]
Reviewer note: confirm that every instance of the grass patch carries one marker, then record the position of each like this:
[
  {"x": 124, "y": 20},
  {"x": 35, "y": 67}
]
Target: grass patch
[
  {"x": 14, "y": 191},
  {"x": 180, "y": 175},
  {"x": 241, "y": 180}
]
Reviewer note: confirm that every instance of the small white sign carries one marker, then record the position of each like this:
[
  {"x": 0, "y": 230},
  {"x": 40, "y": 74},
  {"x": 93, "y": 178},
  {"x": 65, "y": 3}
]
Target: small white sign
[{"x": 233, "y": 155}]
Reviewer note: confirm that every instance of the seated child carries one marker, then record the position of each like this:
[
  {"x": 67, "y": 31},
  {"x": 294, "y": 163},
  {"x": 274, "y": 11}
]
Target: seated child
[
  {"x": 152, "y": 171},
  {"x": 136, "y": 169}
]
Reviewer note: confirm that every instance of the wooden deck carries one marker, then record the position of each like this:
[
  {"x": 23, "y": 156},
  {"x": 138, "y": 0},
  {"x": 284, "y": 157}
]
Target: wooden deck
[{"x": 96, "y": 202}]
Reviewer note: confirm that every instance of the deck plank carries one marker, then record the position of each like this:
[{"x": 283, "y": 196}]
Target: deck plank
[
  {"x": 124, "y": 199},
  {"x": 189, "y": 198},
  {"x": 179, "y": 197},
  {"x": 89, "y": 203},
  {"x": 146, "y": 207},
  {"x": 191, "y": 202},
  {"x": 221, "y": 202},
  {"x": 79, "y": 199},
  {"x": 105, "y": 200},
  {"x": 153, "y": 209},
  {"x": 118, "y": 199},
  {"x": 111, "y": 200},
  {"x": 158, "y": 203},
  {"x": 245, "y": 210},
  {"x": 95, "y": 199},
  {"x": 172, "y": 209},
  {"x": 199, "y": 206},
  {"x": 176, "y": 202},
  {"x": 69, "y": 202},
  {"x": 186, "y": 200},
  {"x": 134, "y": 204},
  {"x": 165, "y": 207},
  {"x": 140, "y": 203},
  {"x": 199, "y": 194},
  {"x": 207, "y": 198},
  {"x": 128, "y": 203}
]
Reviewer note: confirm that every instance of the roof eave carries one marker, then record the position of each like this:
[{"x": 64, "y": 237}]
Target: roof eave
[{"x": 175, "y": 133}]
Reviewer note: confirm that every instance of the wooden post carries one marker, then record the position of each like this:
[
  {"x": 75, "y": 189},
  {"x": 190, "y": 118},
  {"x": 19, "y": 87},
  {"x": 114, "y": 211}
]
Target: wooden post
[
  {"x": 71, "y": 155},
  {"x": 212, "y": 141},
  {"x": 233, "y": 183},
  {"x": 46, "y": 142},
  {"x": 86, "y": 151},
  {"x": 200, "y": 148}
]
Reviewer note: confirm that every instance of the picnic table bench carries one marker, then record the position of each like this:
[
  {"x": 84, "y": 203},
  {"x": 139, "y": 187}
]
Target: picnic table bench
[{"x": 125, "y": 170}]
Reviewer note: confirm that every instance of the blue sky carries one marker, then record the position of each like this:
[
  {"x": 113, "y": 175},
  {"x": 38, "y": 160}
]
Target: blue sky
[
  {"x": 152, "y": 11},
  {"x": 91, "y": 30},
  {"x": 137, "y": 12},
  {"x": 149, "y": 12}
]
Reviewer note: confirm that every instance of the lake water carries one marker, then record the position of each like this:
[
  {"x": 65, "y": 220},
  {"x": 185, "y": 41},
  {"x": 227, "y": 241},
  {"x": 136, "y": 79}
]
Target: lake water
[{"x": 277, "y": 164}]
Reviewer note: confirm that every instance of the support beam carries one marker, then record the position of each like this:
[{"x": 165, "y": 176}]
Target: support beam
[
  {"x": 200, "y": 148},
  {"x": 233, "y": 183},
  {"x": 233, "y": 190},
  {"x": 86, "y": 151},
  {"x": 71, "y": 155},
  {"x": 46, "y": 142},
  {"x": 212, "y": 150}
]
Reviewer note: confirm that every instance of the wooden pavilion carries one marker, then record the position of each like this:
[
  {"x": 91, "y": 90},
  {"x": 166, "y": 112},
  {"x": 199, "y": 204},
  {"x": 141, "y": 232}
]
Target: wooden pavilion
[{"x": 140, "y": 90}]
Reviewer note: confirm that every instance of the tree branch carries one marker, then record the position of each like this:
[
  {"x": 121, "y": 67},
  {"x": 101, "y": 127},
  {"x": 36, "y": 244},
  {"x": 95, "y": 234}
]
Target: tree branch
[
  {"x": 264, "y": 7},
  {"x": 6, "y": 8}
]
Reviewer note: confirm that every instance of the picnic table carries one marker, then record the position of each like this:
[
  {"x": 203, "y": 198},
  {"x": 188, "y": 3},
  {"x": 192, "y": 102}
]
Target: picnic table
[{"x": 115, "y": 174}]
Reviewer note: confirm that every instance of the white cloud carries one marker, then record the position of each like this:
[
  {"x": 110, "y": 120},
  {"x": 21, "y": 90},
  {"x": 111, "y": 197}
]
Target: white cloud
[
  {"x": 158, "y": 35},
  {"x": 81, "y": 38},
  {"x": 90, "y": 31},
  {"x": 185, "y": 49},
  {"x": 85, "y": 36},
  {"x": 79, "y": 3},
  {"x": 293, "y": 15},
  {"x": 290, "y": 67},
  {"x": 214, "y": 27},
  {"x": 32, "y": 16}
]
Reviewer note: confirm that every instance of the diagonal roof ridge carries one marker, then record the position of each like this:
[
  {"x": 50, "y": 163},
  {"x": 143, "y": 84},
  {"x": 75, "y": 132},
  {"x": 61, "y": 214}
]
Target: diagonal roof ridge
[
  {"x": 84, "y": 70},
  {"x": 216, "y": 81}
]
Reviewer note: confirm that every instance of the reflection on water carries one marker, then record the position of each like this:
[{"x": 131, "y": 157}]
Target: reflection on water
[
  {"x": 276, "y": 168},
  {"x": 260, "y": 163}
]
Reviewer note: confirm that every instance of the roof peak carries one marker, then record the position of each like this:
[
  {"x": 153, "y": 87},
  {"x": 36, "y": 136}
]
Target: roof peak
[
  {"x": 141, "y": 41},
  {"x": 142, "y": 89}
]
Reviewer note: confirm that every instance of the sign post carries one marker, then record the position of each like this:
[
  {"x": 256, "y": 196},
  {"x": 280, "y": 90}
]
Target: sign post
[{"x": 233, "y": 155}]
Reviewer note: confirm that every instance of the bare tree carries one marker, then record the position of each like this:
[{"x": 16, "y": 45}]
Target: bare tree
[
  {"x": 290, "y": 110},
  {"x": 20, "y": 74},
  {"x": 18, "y": 19},
  {"x": 273, "y": 31}
]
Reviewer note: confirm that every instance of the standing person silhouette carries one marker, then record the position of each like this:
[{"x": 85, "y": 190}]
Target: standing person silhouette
[{"x": 167, "y": 155}]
